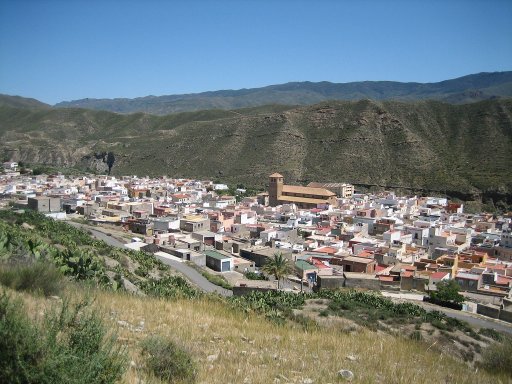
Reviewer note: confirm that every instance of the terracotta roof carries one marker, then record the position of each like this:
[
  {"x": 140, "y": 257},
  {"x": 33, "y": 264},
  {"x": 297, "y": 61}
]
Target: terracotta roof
[
  {"x": 506, "y": 280},
  {"x": 180, "y": 195},
  {"x": 326, "y": 250},
  {"x": 438, "y": 275},
  {"x": 276, "y": 175},
  {"x": 323, "y": 231},
  {"x": 365, "y": 253},
  {"x": 307, "y": 190},
  {"x": 494, "y": 266},
  {"x": 319, "y": 264},
  {"x": 294, "y": 199}
]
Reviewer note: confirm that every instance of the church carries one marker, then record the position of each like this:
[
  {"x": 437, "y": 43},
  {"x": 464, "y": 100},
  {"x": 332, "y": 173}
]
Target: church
[{"x": 303, "y": 197}]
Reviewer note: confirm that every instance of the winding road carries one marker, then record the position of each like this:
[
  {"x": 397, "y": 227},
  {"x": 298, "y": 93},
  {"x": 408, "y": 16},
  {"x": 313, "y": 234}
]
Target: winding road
[
  {"x": 200, "y": 281},
  {"x": 190, "y": 273}
]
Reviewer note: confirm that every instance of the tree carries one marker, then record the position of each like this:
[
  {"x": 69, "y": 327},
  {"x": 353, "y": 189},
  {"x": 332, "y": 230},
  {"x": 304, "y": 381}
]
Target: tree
[
  {"x": 448, "y": 291},
  {"x": 110, "y": 161},
  {"x": 278, "y": 266}
]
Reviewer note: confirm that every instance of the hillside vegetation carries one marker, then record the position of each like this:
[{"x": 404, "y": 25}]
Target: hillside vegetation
[
  {"x": 230, "y": 346},
  {"x": 466, "y": 89},
  {"x": 466, "y": 149},
  {"x": 172, "y": 333}
]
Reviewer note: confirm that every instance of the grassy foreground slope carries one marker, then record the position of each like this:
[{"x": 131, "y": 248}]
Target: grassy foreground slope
[
  {"x": 233, "y": 347},
  {"x": 237, "y": 340}
]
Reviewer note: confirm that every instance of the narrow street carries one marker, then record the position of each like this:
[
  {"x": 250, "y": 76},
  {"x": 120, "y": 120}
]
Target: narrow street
[{"x": 190, "y": 273}]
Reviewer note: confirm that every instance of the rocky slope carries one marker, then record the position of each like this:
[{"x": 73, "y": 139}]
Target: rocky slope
[{"x": 465, "y": 149}]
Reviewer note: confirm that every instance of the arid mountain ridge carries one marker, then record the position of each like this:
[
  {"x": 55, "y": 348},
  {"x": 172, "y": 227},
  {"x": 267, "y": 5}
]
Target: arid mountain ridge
[
  {"x": 462, "y": 150},
  {"x": 471, "y": 88}
]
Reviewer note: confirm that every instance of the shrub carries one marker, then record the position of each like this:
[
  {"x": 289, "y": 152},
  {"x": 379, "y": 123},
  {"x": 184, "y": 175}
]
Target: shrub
[
  {"x": 416, "y": 335},
  {"x": 307, "y": 323},
  {"x": 20, "y": 347},
  {"x": 324, "y": 313},
  {"x": 255, "y": 276},
  {"x": 491, "y": 333},
  {"x": 69, "y": 346},
  {"x": 168, "y": 361},
  {"x": 217, "y": 280},
  {"x": 498, "y": 357},
  {"x": 169, "y": 287},
  {"x": 443, "y": 303},
  {"x": 448, "y": 291},
  {"x": 439, "y": 324},
  {"x": 78, "y": 345},
  {"x": 37, "y": 277},
  {"x": 141, "y": 271}
]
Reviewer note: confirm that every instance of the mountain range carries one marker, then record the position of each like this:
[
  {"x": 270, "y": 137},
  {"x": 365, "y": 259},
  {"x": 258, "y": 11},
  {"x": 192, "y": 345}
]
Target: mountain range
[
  {"x": 471, "y": 88},
  {"x": 463, "y": 150}
]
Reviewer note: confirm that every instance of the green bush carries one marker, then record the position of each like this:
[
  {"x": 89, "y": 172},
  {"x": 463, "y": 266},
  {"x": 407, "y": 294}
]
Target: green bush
[
  {"x": 168, "y": 361},
  {"x": 307, "y": 323},
  {"x": 439, "y": 324},
  {"x": 448, "y": 291},
  {"x": 254, "y": 276},
  {"x": 169, "y": 287},
  {"x": 141, "y": 271},
  {"x": 38, "y": 277},
  {"x": 212, "y": 278},
  {"x": 493, "y": 334},
  {"x": 498, "y": 357},
  {"x": 71, "y": 345},
  {"x": 324, "y": 313},
  {"x": 20, "y": 347},
  {"x": 217, "y": 280}
]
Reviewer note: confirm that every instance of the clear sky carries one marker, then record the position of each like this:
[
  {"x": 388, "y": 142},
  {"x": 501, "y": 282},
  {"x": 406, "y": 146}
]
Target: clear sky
[{"x": 70, "y": 49}]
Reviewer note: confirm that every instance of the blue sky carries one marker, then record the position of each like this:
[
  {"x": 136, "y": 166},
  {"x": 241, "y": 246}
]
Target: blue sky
[{"x": 72, "y": 49}]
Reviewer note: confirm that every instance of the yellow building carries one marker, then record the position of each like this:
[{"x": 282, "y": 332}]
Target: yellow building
[{"x": 341, "y": 189}]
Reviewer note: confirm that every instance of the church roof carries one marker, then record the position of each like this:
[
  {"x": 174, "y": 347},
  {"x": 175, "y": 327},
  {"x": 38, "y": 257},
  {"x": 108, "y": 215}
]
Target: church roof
[
  {"x": 276, "y": 175},
  {"x": 307, "y": 190},
  {"x": 296, "y": 199}
]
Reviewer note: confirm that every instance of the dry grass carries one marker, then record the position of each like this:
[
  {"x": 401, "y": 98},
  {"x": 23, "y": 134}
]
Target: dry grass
[{"x": 232, "y": 347}]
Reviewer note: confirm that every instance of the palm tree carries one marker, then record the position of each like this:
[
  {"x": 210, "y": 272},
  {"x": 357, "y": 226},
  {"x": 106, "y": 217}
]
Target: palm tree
[{"x": 278, "y": 266}]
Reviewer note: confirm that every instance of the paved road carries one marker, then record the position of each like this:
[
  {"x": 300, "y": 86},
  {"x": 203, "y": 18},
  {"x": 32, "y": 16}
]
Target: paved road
[
  {"x": 471, "y": 318},
  {"x": 195, "y": 277},
  {"x": 477, "y": 320},
  {"x": 102, "y": 236}
]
